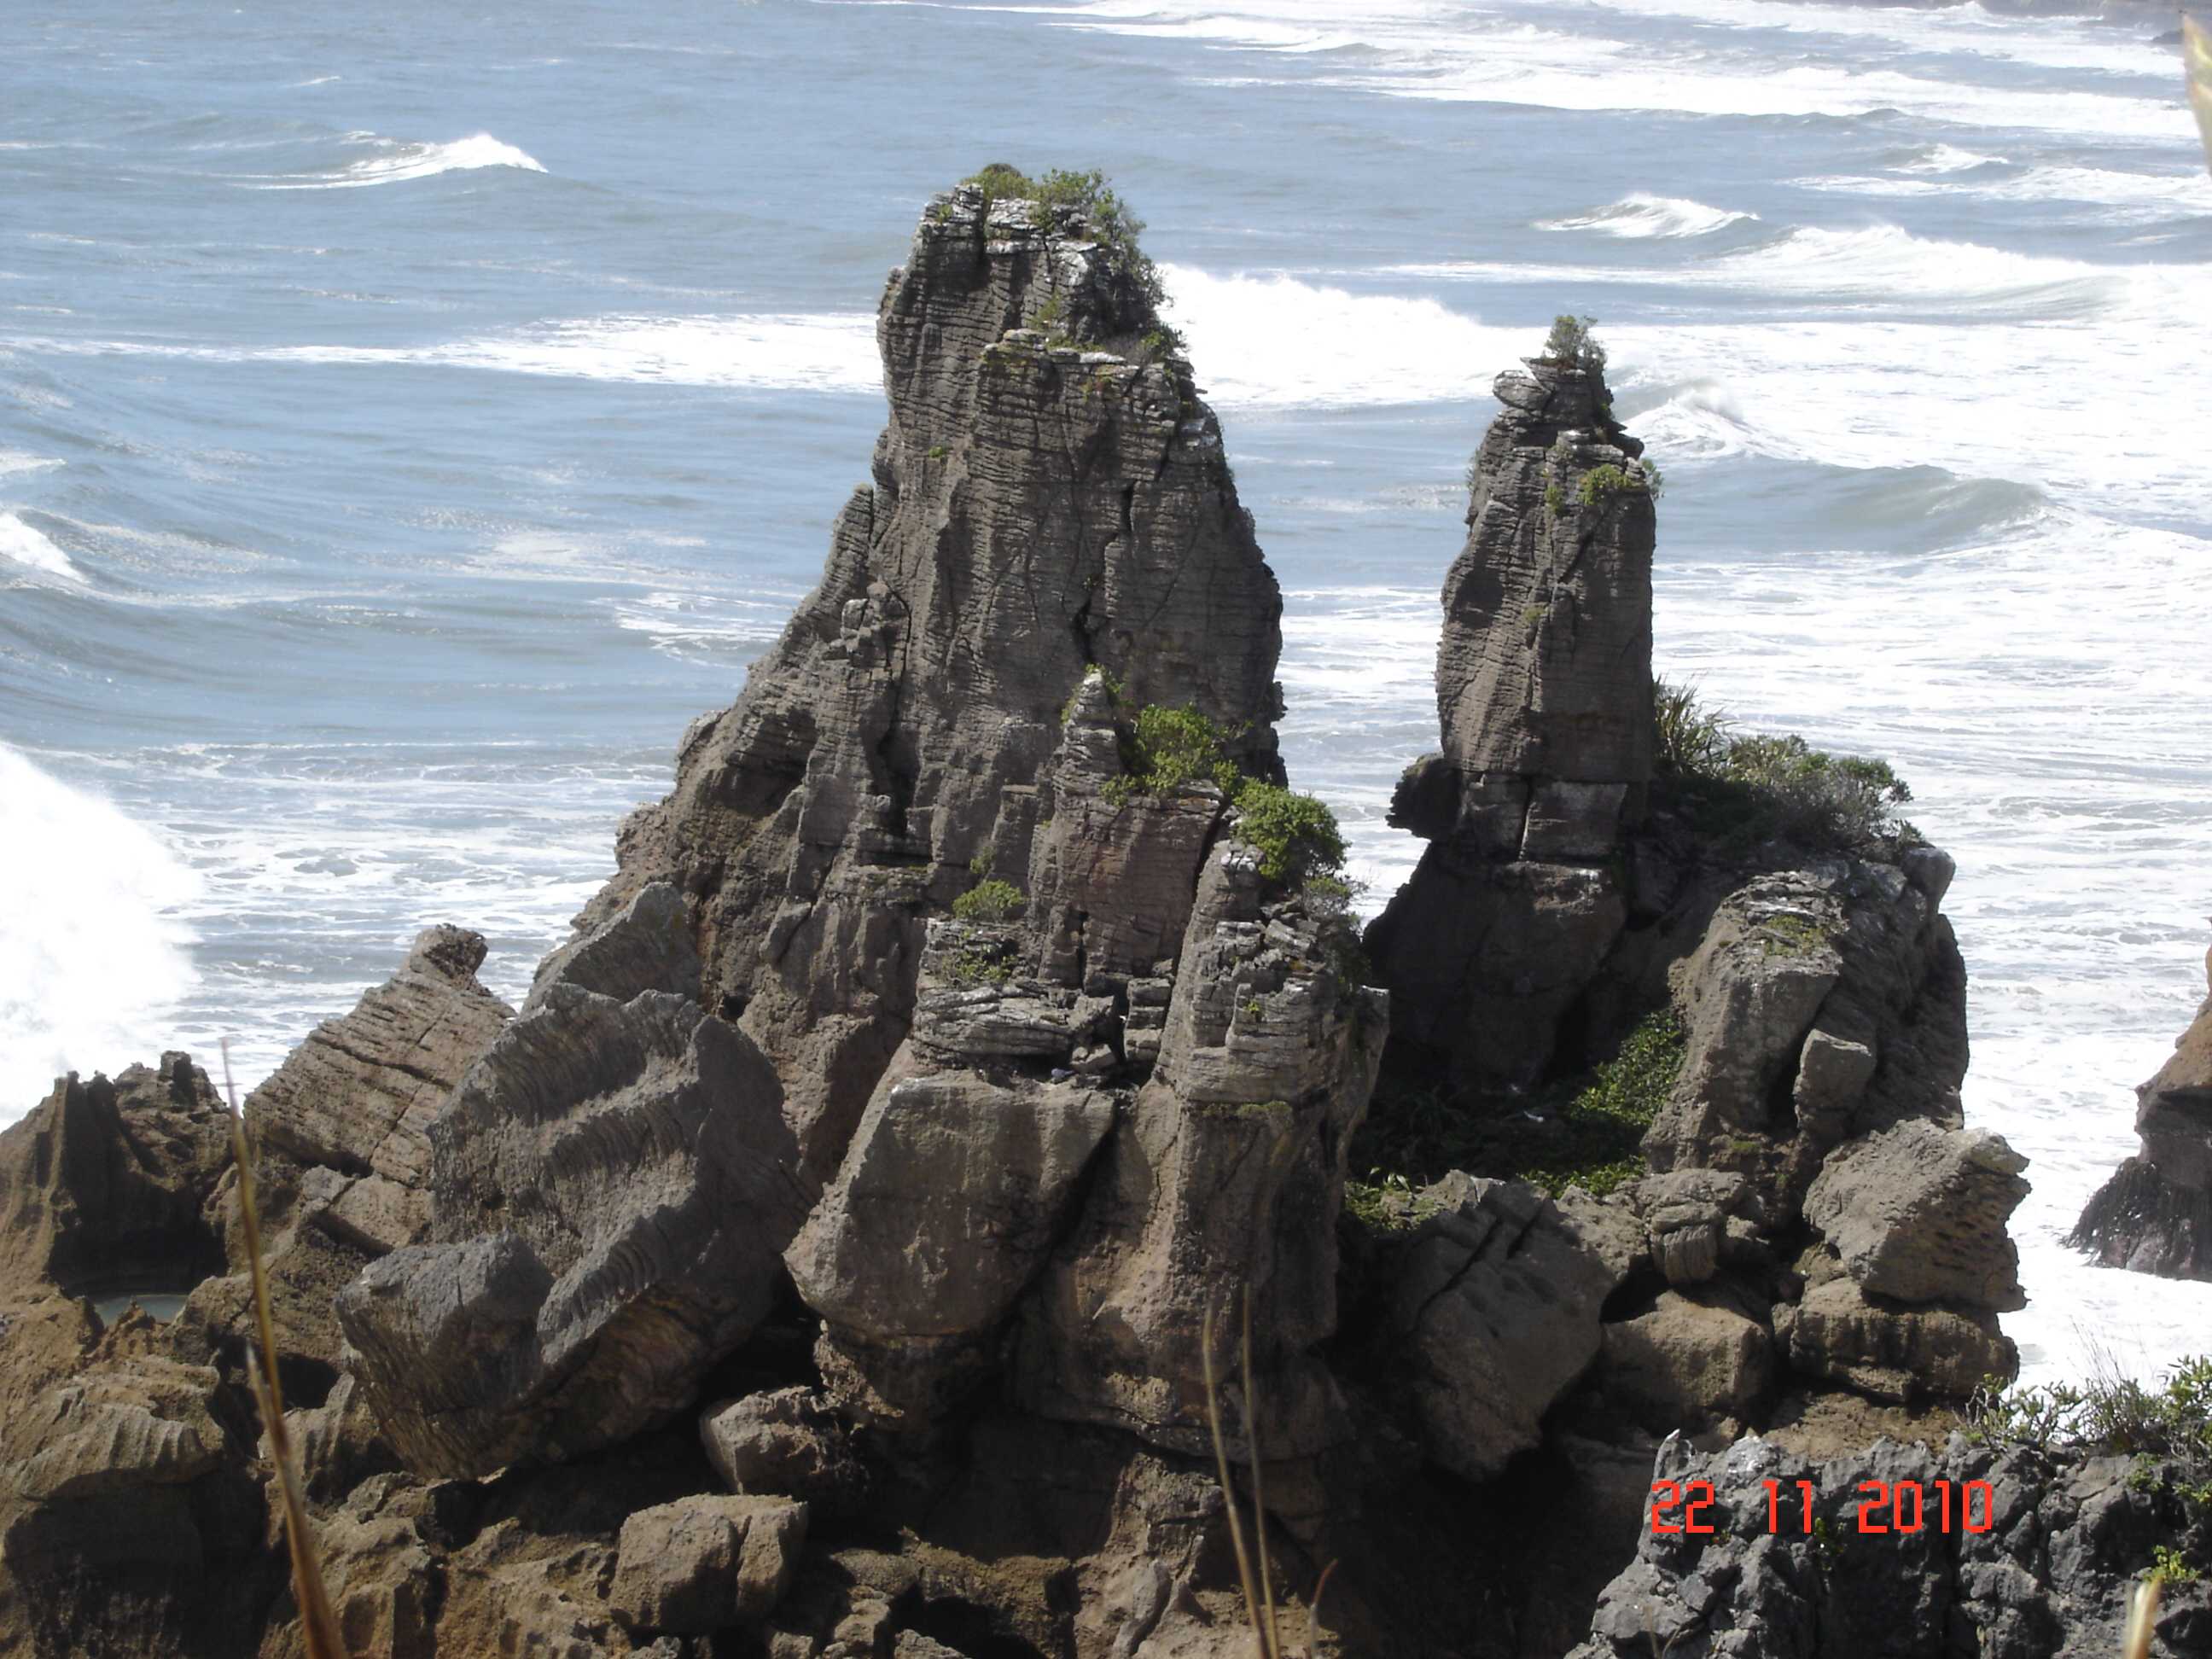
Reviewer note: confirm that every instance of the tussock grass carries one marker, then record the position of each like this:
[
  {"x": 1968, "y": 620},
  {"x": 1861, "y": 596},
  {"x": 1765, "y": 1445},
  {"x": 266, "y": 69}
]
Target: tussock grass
[
  {"x": 318, "y": 1624},
  {"x": 1254, "y": 1576}
]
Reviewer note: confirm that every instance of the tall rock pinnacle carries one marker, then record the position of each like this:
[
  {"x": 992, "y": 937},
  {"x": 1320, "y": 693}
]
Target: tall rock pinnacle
[
  {"x": 1544, "y": 696},
  {"x": 768, "y": 1011},
  {"x": 1049, "y": 494}
]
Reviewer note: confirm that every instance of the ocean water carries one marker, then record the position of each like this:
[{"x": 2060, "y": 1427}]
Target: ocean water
[{"x": 409, "y": 419}]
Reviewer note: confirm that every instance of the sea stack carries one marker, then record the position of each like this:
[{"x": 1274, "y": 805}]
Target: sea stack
[
  {"x": 2154, "y": 1214},
  {"x": 1544, "y": 696}
]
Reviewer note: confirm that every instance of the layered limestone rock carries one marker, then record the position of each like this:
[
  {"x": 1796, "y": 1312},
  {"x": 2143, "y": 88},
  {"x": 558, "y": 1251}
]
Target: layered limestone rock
[
  {"x": 1225, "y": 1176},
  {"x": 1544, "y": 694},
  {"x": 2154, "y": 1213},
  {"x": 615, "y": 1184},
  {"x": 341, "y": 1166},
  {"x": 1049, "y": 494},
  {"x": 103, "y": 1185},
  {"x": 1913, "y": 1552}
]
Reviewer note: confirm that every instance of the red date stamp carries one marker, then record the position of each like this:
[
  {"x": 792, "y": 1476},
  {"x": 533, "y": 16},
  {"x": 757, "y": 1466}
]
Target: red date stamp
[{"x": 1904, "y": 1506}]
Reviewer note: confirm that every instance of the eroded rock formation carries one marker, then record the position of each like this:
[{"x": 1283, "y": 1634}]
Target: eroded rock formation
[
  {"x": 1544, "y": 693},
  {"x": 2154, "y": 1213},
  {"x": 820, "y": 1263},
  {"x": 1918, "y": 1551}
]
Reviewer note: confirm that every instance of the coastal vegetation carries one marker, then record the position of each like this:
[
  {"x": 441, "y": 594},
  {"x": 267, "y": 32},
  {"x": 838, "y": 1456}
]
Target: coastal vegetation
[
  {"x": 1756, "y": 787},
  {"x": 1586, "y": 1132}
]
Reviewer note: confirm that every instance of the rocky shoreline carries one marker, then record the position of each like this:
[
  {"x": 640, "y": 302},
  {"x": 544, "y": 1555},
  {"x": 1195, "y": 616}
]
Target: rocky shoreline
[{"x": 822, "y": 1259}]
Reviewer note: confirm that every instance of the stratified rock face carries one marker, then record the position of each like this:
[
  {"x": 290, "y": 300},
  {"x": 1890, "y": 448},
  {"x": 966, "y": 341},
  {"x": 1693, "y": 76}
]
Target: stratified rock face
[
  {"x": 2154, "y": 1214},
  {"x": 1038, "y": 506},
  {"x": 2047, "y": 1568},
  {"x": 1544, "y": 691},
  {"x": 614, "y": 1186},
  {"x": 1918, "y": 1212},
  {"x": 1497, "y": 1304},
  {"x": 104, "y": 1183},
  {"x": 1227, "y": 1173},
  {"x": 1822, "y": 1003},
  {"x": 359, "y": 1094}
]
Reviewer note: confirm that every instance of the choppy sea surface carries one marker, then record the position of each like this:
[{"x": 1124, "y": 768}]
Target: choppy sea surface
[{"x": 409, "y": 419}]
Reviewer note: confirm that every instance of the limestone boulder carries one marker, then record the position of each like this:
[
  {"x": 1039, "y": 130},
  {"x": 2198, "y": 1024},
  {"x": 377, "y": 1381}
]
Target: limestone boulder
[
  {"x": 1494, "y": 1310},
  {"x": 614, "y": 1184},
  {"x": 955, "y": 1191},
  {"x": 1687, "y": 1361},
  {"x": 1900, "y": 1351},
  {"x": 1918, "y": 1214},
  {"x": 786, "y": 1443},
  {"x": 701, "y": 1564}
]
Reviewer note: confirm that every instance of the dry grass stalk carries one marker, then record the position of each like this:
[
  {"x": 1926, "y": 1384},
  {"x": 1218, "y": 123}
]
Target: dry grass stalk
[
  {"x": 318, "y": 1625},
  {"x": 1258, "y": 1587},
  {"x": 2143, "y": 1614}
]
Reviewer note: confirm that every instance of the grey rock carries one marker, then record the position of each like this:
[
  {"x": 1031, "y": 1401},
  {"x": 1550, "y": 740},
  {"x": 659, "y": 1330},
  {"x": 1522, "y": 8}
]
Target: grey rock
[
  {"x": 646, "y": 945},
  {"x": 1033, "y": 514},
  {"x": 954, "y": 1190},
  {"x": 2154, "y": 1214},
  {"x": 1227, "y": 1169},
  {"x": 1544, "y": 698},
  {"x": 702, "y": 1564},
  {"x": 614, "y": 1186},
  {"x": 1894, "y": 1350},
  {"x": 105, "y": 1182},
  {"x": 2047, "y": 1571},
  {"x": 786, "y": 1442},
  {"x": 1494, "y": 1308},
  {"x": 1687, "y": 1361},
  {"x": 358, "y": 1096},
  {"x": 1917, "y": 1214}
]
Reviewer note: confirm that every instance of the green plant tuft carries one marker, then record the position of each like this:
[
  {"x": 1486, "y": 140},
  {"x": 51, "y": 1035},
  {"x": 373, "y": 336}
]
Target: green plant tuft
[
  {"x": 1602, "y": 483},
  {"x": 1163, "y": 749},
  {"x": 990, "y": 900},
  {"x": 1296, "y": 835},
  {"x": 1571, "y": 343},
  {"x": 1747, "y": 789},
  {"x": 1592, "y": 1138},
  {"x": 1109, "y": 220}
]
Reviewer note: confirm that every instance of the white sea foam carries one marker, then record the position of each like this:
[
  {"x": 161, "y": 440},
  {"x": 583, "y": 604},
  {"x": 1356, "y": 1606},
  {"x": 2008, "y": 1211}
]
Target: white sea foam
[
  {"x": 91, "y": 954},
  {"x": 1351, "y": 349},
  {"x": 2131, "y": 197},
  {"x": 396, "y": 161},
  {"x": 1430, "y": 51},
  {"x": 22, "y": 545},
  {"x": 1639, "y": 216},
  {"x": 1949, "y": 158},
  {"x": 17, "y": 461},
  {"x": 833, "y": 351}
]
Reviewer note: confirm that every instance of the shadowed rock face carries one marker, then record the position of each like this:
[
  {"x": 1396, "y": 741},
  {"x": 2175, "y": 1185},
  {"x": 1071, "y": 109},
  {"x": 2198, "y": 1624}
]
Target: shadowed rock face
[
  {"x": 2056, "y": 1545},
  {"x": 2154, "y": 1214},
  {"x": 1544, "y": 697},
  {"x": 104, "y": 1182},
  {"x": 615, "y": 1184},
  {"x": 1035, "y": 508}
]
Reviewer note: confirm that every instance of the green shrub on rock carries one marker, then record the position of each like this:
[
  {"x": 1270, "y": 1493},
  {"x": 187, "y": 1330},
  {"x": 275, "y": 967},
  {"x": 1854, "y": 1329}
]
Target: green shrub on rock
[
  {"x": 1296, "y": 835},
  {"x": 1166, "y": 748},
  {"x": 1757, "y": 788},
  {"x": 1571, "y": 343},
  {"x": 992, "y": 901}
]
